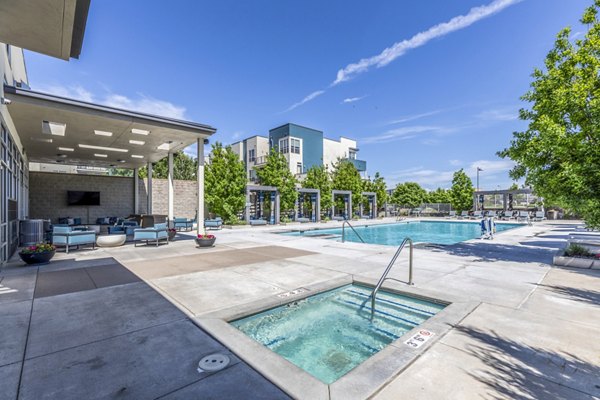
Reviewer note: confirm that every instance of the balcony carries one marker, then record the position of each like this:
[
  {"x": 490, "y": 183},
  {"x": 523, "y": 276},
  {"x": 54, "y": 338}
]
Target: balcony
[{"x": 360, "y": 165}]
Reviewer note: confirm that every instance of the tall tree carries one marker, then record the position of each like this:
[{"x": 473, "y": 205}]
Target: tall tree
[
  {"x": 276, "y": 172},
  {"x": 409, "y": 194},
  {"x": 317, "y": 177},
  {"x": 225, "y": 183},
  {"x": 345, "y": 176},
  {"x": 439, "y": 195},
  {"x": 379, "y": 186},
  {"x": 184, "y": 168},
  {"x": 559, "y": 153},
  {"x": 461, "y": 193}
]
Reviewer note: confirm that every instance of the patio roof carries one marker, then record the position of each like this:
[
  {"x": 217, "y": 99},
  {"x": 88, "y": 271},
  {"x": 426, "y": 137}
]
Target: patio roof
[
  {"x": 51, "y": 27},
  {"x": 57, "y": 129}
]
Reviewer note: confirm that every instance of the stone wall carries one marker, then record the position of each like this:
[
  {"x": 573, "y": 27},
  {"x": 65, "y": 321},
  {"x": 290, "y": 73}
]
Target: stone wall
[{"x": 48, "y": 196}]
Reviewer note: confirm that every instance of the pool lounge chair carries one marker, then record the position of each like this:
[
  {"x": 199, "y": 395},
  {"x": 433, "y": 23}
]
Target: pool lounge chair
[
  {"x": 523, "y": 216},
  {"x": 464, "y": 214},
  {"x": 476, "y": 215},
  {"x": 255, "y": 222},
  {"x": 451, "y": 214},
  {"x": 491, "y": 214},
  {"x": 539, "y": 216}
]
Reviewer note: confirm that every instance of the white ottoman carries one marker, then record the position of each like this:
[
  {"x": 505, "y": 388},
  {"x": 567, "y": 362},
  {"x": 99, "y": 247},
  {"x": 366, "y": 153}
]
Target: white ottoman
[{"x": 110, "y": 240}]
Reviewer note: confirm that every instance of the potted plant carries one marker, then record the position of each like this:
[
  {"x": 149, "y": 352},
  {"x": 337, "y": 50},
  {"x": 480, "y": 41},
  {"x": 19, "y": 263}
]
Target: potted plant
[
  {"x": 40, "y": 253},
  {"x": 171, "y": 232},
  {"x": 205, "y": 240}
]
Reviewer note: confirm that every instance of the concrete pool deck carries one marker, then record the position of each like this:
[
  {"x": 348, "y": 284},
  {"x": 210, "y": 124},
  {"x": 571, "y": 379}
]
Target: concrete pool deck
[{"x": 118, "y": 322}]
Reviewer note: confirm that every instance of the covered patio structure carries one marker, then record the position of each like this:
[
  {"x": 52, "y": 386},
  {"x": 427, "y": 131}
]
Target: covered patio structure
[
  {"x": 255, "y": 201},
  {"x": 505, "y": 200},
  {"x": 58, "y": 130},
  {"x": 315, "y": 201},
  {"x": 347, "y": 196},
  {"x": 372, "y": 199}
]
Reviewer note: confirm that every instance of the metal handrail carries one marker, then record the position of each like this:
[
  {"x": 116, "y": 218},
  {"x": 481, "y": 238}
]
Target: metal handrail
[
  {"x": 389, "y": 267},
  {"x": 344, "y": 231}
]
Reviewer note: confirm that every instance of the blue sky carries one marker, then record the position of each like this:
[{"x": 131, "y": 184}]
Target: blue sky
[{"x": 443, "y": 96}]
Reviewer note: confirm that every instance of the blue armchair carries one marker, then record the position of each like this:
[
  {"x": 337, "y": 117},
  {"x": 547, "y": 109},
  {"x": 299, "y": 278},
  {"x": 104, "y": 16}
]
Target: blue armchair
[
  {"x": 157, "y": 233},
  {"x": 216, "y": 223},
  {"x": 183, "y": 223},
  {"x": 66, "y": 236}
]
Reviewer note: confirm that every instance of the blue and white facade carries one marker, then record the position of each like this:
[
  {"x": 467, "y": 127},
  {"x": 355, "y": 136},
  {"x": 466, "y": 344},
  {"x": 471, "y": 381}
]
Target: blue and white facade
[{"x": 302, "y": 147}]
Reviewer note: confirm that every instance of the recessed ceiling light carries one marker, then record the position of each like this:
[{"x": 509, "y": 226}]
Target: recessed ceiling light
[
  {"x": 53, "y": 128},
  {"x": 140, "y": 132},
  {"x": 140, "y": 142},
  {"x": 121, "y": 161},
  {"x": 66, "y": 149},
  {"x": 102, "y": 133},
  {"x": 41, "y": 139},
  {"x": 136, "y": 156},
  {"x": 165, "y": 146},
  {"x": 88, "y": 146},
  {"x": 101, "y": 155}
]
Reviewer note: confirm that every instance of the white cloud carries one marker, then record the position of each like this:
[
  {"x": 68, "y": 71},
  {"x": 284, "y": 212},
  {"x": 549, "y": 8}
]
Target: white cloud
[
  {"x": 455, "y": 162},
  {"x": 425, "y": 177},
  {"x": 398, "y": 49},
  {"x": 308, "y": 98},
  {"x": 492, "y": 167},
  {"x": 404, "y": 133},
  {"x": 352, "y": 99},
  {"x": 414, "y": 117},
  {"x": 142, "y": 103},
  {"x": 499, "y": 115}
]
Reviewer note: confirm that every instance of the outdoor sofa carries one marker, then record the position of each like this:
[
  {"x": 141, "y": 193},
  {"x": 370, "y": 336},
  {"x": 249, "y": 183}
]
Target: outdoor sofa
[
  {"x": 154, "y": 234},
  {"x": 215, "y": 223}
]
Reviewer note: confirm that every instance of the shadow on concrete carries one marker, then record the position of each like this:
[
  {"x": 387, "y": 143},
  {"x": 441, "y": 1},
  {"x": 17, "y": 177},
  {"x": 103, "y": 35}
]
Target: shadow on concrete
[
  {"x": 518, "y": 371},
  {"x": 586, "y": 296},
  {"x": 489, "y": 251},
  {"x": 550, "y": 244}
]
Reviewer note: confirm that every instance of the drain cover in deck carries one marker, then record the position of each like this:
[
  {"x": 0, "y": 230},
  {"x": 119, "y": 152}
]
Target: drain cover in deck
[{"x": 213, "y": 362}]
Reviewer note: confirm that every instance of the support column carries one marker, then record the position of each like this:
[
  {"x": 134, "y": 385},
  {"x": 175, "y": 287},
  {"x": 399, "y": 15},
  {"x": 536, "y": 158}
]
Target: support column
[
  {"x": 171, "y": 190},
  {"x": 318, "y": 207},
  {"x": 136, "y": 191},
  {"x": 200, "y": 186},
  {"x": 247, "y": 207},
  {"x": 277, "y": 204},
  {"x": 149, "y": 208}
]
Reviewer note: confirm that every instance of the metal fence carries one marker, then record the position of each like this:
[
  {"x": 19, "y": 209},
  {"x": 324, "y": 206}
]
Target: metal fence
[{"x": 425, "y": 209}]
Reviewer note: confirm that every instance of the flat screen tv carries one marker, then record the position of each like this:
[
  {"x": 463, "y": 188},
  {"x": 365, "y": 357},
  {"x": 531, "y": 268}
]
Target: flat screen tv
[{"x": 79, "y": 198}]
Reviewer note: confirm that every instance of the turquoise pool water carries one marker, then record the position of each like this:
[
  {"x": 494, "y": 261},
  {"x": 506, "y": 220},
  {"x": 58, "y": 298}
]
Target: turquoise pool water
[
  {"x": 437, "y": 232},
  {"x": 329, "y": 334}
]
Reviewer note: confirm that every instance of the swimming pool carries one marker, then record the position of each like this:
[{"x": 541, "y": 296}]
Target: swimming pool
[
  {"x": 331, "y": 333},
  {"x": 436, "y": 232}
]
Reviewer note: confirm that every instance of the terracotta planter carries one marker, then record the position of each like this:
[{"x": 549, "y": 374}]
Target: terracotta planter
[
  {"x": 205, "y": 242},
  {"x": 37, "y": 258}
]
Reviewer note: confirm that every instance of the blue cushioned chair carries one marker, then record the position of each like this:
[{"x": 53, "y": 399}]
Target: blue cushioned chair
[
  {"x": 216, "y": 223},
  {"x": 157, "y": 233},
  {"x": 66, "y": 236},
  {"x": 183, "y": 223}
]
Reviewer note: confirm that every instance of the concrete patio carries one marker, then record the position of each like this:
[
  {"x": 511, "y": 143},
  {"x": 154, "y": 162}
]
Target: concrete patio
[{"x": 118, "y": 322}]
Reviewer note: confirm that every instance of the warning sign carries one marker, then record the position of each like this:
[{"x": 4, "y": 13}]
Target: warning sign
[{"x": 419, "y": 338}]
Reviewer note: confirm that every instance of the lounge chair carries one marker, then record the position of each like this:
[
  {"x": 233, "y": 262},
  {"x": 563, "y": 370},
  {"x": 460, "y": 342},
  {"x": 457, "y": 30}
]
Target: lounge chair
[
  {"x": 464, "y": 214},
  {"x": 255, "y": 222},
  {"x": 155, "y": 234},
  {"x": 451, "y": 214},
  {"x": 491, "y": 214},
  {"x": 215, "y": 223},
  {"x": 539, "y": 216},
  {"x": 66, "y": 236},
  {"x": 476, "y": 215},
  {"x": 302, "y": 220},
  {"x": 523, "y": 216}
]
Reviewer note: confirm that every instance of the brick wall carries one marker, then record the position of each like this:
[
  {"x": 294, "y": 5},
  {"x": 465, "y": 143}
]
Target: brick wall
[{"x": 48, "y": 196}]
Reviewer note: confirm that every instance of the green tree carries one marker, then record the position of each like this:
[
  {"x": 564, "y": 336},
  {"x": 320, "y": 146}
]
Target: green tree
[
  {"x": 439, "y": 195},
  {"x": 514, "y": 186},
  {"x": 379, "y": 186},
  {"x": 461, "y": 193},
  {"x": 559, "y": 153},
  {"x": 409, "y": 194},
  {"x": 345, "y": 176},
  {"x": 184, "y": 168},
  {"x": 317, "y": 177},
  {"x": 225, "y": 183},
  {"x": 276, "y": 172}
]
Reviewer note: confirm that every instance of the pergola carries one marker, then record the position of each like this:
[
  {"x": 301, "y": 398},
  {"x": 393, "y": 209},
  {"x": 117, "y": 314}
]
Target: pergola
[
  {"x": 259, "y": 202},
  {"x": 55, "y": 129},
  {"x": 315, "y": 200},
  {"x": 347, "y": 195},
  {"x": 372, "y": 198},
  {"x": 507, "y": 197}
]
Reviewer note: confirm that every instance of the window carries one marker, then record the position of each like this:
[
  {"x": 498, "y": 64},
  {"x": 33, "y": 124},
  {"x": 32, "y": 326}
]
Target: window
[
  {"x": 299, "y": 168},
  {"x": 352, "y": 154},
  {"x": 296, "y": 146},
  {"x": 284, "y": 145},
  {"x": 252, "y": 155}
]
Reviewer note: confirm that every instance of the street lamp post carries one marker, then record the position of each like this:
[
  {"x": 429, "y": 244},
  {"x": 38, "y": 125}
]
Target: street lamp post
[{"x": 478, "y": 169}]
